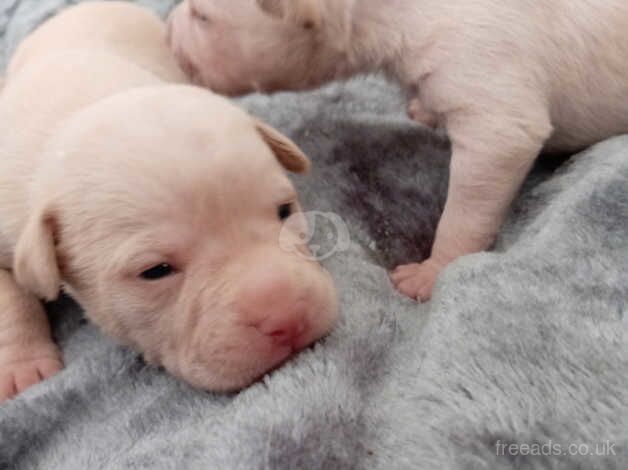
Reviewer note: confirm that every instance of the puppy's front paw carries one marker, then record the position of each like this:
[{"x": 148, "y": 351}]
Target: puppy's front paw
[
  {"x": 418, "y": 113},
  {"x": 417, "y": 280},
  {"x": 20, "y": 369}
]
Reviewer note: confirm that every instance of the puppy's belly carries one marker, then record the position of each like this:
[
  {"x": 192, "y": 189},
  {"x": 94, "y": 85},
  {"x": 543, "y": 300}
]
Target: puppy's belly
[
  {"x": 581, "y": 128},
  {"x": 581, "y": 119},
  {"x": 575, "y": 136}
]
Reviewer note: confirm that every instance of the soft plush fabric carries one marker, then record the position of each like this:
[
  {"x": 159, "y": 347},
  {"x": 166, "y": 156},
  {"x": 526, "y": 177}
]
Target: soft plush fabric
[{"x": 525, "y": 345}]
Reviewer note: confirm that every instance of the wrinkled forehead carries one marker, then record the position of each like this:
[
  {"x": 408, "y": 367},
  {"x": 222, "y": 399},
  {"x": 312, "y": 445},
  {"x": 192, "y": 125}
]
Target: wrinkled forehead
[
  {"x": 175, "y": 168},
  {"x": 228, "y": 174}
]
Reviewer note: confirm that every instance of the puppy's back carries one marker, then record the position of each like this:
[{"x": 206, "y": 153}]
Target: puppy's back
[
  {"x": 130, "y": 31},
  {"x": 74, "y": 60}
]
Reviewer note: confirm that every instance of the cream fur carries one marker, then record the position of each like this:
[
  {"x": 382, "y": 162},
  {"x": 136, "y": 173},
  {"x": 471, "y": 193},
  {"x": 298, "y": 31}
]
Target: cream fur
[
  {"x": 506, "y": 78},
  {"x": 112, "y": 164}
]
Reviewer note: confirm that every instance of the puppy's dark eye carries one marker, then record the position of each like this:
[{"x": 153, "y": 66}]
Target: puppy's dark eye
[
  {"x": 284, "y": 211},
  {"x": 157, "y": 272}
]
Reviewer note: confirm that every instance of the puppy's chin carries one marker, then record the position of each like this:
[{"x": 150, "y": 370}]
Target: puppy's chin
[
  {"x": 226, "y": 87},
  {"x": 235, "y": 371},
  {"x": 197, "y": 77}
]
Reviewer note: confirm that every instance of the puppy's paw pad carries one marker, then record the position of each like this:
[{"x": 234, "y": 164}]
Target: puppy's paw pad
[
  {"x": 17, "y": 376},
  {"x": 416, "y": 280}
]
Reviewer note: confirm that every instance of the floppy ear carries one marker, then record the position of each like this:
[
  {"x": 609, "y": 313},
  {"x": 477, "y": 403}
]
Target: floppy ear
[
  {"x": 35, "y": 260},
  {"x": 289, "y": 155},
  {"x": 307, "y": 13}
]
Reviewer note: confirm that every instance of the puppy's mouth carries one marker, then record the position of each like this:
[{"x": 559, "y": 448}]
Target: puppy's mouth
[
  {"x": 258, "y": 88},
  {"x": 185, "y": 63},
  {"x": 290, "y": 353},
  {"x": 266, "y": 87},
  {"x": 189, "y": 68}
]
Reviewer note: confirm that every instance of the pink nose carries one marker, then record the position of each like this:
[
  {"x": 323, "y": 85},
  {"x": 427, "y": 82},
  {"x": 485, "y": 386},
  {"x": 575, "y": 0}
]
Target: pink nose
[
  {"x": 269, "y": 303},
  {"x": 283, "y": 330}
]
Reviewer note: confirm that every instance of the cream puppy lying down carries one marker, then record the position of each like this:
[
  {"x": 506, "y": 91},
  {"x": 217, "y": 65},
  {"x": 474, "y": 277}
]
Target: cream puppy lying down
[
  {"x": 504, "y": 77},
  {"x": 157, "y": 206}
]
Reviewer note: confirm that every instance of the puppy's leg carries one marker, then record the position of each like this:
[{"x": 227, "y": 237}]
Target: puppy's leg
[
  {"x": 28, "y": 354},
  {"x": 418, "y": 113},
  {"x": 485, "y": 175}
]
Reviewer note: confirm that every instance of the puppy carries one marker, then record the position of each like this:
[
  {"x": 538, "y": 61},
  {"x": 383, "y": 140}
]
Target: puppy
[
  {"x": 157, "y": 205},
  {"x": 506, "y": 78}
]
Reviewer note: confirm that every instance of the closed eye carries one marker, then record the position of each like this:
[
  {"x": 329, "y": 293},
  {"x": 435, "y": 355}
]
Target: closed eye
[
  {"x": 198, "y": 15},
  {"x": 158, "y": 272}
]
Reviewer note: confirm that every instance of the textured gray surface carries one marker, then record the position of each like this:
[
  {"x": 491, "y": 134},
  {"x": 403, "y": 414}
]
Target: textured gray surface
[{"x": 524, "y": 345}]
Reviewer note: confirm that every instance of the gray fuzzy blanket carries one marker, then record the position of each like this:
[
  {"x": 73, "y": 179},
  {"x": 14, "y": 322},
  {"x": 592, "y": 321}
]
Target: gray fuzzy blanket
[{"x": 519, "y": 361}]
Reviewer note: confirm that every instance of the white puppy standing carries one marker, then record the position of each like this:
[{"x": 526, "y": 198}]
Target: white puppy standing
[
  {"x": 160, "y": 207},
  {"x": 506, "y": 78}
]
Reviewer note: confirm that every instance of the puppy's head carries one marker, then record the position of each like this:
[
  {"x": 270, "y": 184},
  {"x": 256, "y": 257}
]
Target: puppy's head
[
  {"x": 161, "y": 211},
  {"x": 260, "y": 45}
]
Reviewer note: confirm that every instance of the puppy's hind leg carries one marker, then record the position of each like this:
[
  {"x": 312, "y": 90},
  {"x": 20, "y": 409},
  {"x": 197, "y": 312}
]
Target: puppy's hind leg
[{"x": 28, "y": 354}]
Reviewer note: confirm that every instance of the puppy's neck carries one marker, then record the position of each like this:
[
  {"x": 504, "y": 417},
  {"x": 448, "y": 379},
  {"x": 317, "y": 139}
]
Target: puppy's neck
[
  {"x": 373, "y": 39},
  {"x": 384, "y": 36}
]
